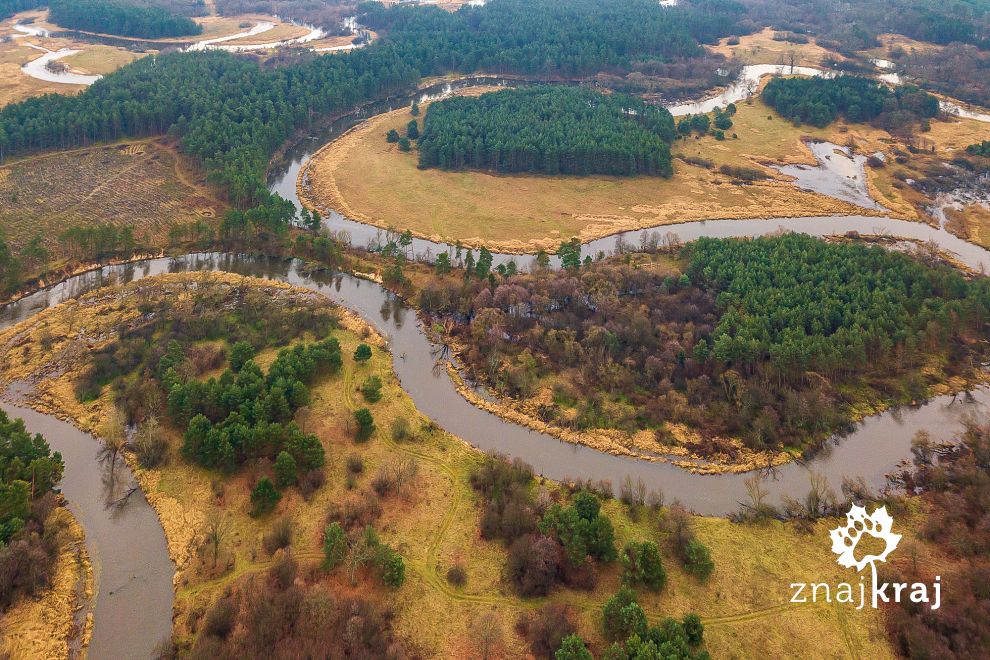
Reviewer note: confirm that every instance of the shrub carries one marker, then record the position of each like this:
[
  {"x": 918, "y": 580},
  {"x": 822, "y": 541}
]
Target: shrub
[
  {"x": 404, "y": 144},
  {"x": 371, "y": 389},
  {"x": 357, "y": 511},
  {"x": 220, "y": 618},
  {"x": 362, "y": 353},
  {"x": 573, "y": 648},
  {"x": 334, "y": 546},
  {"x": 285, "y": 469},
  {"x": 392, "y": 568},
  {"x": 264, "y": 496},
  {"x": 623, "y": 616},
  {"x": 355, "y": 464},
  {"x": 496, "y": 474},
  {"x": 365, "y": 424},
  {"x": 456, "y": 575},
  {"x": 547, "y": 628},
  {"x": 150, "y": 444},
  {"x": 311, "y": 481},
  {"x": 392, "y": 136},
  {"x": 400, "y": 429},
  {"x": 743, "y": 173},
  {"x": 534, "y": 564},
  {"x": 693, "y": 628},
  {"x": 240, "y": 353},
  {"x": 279, "y": 536},
  {"x": 641, "y": 564},
  {"x": 283, "y": 571},
  {"x": 698, "y": 560}
]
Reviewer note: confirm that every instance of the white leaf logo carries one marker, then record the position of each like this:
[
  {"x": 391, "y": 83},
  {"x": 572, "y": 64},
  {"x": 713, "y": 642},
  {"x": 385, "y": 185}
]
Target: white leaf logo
[{"x": 845, "y": 539}]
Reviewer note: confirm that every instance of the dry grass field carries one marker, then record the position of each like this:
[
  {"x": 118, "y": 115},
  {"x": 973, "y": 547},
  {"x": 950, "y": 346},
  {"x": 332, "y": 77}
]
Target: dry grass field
[
  {"x": 761, "y": 48},
  {"x": 100, "y": 60},
  {"x": 744, "y": 603},
  {"x": 145, "y": 185}
]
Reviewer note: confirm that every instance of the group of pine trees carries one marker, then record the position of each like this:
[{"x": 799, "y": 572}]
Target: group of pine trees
[
  {"x": 126, "y": 19},
  {"x": 820, "y": 101},
  {"x": 548, "y": 129}
]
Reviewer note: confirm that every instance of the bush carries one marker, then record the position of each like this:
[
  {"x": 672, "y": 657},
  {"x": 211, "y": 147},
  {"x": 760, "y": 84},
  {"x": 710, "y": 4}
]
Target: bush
[
  {"x": 357, "y": 511},
  {"x": 279, "y": 536},
  {"x": 264, "y": 496},
  {"x": 240, "y": 353},
  {"x": 392, "y": 136},
  {"x": 456, "y": 575},
  {"x": 392, "y": 567},
  {"x": 311, "y": 481},
  {"x": 573, "y": 648},
  {"x": 547, "y": 628},
  {"x": 623, "y": 616},
  {"x": 698, "y": 560},
  {"x": 362, "y": 353},
  {"x": 355, "y": 464},
  {"x": 365, "y": 424},
  {"x": 334, "y": 546},
  {"x": 150, "y": 444},
  {"x": 285, "y": 469},
  {"x": 283, "y": 572},
  {"x": 693, "y": 628},
  {"x": 641, "y": 564},
  {"x": 400, "y": 429},
  {"x": 220, "y": 618},
  {"x": 371, "y": 389},
  {"x": 534, "y": 564},
  {"x": 496, "y": 474},
  {"x": 743, "y": 173}
]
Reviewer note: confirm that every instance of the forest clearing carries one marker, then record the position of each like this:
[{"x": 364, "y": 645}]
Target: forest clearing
[{"x": 144, "y": 185}]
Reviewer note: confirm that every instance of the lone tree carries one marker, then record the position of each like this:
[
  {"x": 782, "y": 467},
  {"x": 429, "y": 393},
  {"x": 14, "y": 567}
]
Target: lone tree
[
  {"x": 285, "y": 469},
  {"x": 412, "y": 130},
  {"x": 264, "y": 497},
  {"x": 442, "y": 264},
  {"x": 217, "y": 525},
  {"x": 362, "y": 353},
  {"x": 392, "y": 136},
  {"x": 365, "y": 422},
  {"x": 404, "y": 144}
]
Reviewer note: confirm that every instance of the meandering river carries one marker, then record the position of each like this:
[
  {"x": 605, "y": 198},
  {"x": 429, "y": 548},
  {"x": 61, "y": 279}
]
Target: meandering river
[{"x": 133, "y": 605}]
